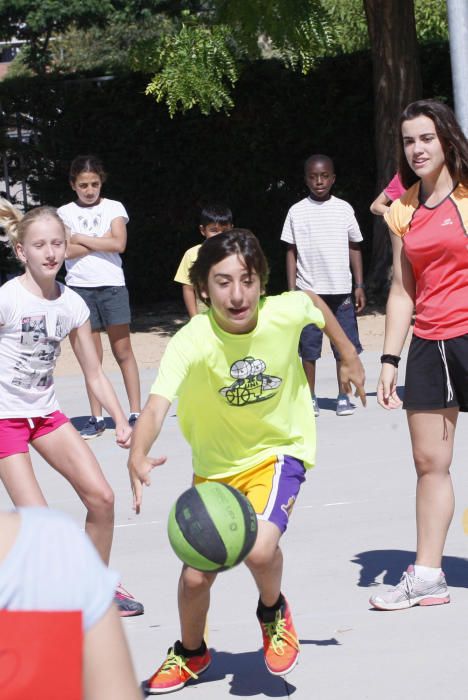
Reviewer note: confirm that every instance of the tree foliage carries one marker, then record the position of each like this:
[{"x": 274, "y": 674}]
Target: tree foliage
[
  {"x": 197, "y": 66},
  {"x": 37, "y": 21}
]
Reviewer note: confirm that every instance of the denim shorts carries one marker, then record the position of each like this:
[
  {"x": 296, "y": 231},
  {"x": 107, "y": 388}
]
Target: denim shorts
[
  {"x": 108, "y": 306},
  {"x": 310, "y": 343}
]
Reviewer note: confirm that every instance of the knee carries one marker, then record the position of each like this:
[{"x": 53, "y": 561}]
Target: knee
[
  {"x": 123, "y": 353},
  {"x": 262, "y": 558},
  {"x": 193, "y": 581},
  {"x": 429, "y": 464},
  {"x": 102, "y": 500}
]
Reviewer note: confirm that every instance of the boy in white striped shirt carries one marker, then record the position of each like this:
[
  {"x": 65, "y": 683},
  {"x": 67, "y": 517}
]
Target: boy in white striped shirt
[{"x": 323, "y": 239}]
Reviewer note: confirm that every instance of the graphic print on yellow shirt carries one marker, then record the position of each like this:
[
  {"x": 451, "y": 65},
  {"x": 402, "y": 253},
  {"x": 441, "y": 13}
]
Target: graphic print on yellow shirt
[{"x": 251, "y": 384}]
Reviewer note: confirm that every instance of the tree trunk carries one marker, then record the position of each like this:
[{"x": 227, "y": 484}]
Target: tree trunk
[{"x": 397, "y": 82}]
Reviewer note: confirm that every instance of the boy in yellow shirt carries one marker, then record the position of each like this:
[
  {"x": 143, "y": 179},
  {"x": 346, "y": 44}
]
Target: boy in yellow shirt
[
  {"x": 214, "y": 219},
  {"x": 256, "y": 431}
]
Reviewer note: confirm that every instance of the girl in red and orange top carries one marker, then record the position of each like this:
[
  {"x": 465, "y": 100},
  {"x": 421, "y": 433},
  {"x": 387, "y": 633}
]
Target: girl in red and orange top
[{"x": 429, "y": 232}]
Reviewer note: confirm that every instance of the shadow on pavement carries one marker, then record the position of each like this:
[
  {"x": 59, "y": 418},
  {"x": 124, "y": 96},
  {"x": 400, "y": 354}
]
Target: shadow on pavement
[
  {"x": 392, "y": 563},
  {"x": 249, "y": 675}
]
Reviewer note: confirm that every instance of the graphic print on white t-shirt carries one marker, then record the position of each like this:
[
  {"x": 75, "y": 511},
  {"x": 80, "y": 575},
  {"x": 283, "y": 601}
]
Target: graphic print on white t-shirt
[{"x": 38, "y": 350}]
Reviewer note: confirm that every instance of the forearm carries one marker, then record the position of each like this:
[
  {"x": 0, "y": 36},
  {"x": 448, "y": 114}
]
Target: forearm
[
  {"x": 102, "y": 244},
  {"x": 380, "y": 205},
  {"x": 148, "y": 426},
  {"x": 399, "y": 312},
  {"x": 355, "y": 259},
  {"x": 332, "y": 328},
  {"x": 75, "y": 250},
  {"x": 291, "y": 266},
  {"x": 190, "y": 300},
  {"x": 105, "y": 394}
]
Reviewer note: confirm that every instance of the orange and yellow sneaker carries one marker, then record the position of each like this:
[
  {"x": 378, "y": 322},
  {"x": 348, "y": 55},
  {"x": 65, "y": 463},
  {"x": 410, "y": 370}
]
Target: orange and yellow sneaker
[
  {"x": 176, "y": 671},
  {"x": 280, "y": 643}
]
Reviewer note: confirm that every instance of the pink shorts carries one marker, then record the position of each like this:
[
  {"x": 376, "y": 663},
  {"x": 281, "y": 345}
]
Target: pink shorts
[{"x": 17, "y": 433}]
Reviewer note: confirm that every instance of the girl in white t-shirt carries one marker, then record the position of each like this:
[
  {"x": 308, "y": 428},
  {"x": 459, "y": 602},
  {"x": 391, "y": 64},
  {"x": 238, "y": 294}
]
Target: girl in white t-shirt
[
  {"x": 36, "y": 314},
  {"x": 97, "y": 235}
]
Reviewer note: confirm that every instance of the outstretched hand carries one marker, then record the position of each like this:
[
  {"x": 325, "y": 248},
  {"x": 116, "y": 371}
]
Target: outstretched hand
[
  {"x": 352, "y": 373},
  {"x": 140, "y": 473}
]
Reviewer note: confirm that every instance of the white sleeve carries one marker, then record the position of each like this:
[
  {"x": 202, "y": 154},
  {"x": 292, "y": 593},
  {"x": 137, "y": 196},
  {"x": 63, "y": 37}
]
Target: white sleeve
[
  {"x": 117, "y": 209},
  {"x": 56, "y": 567},
  {"x": 79, "y": 310},
  {"x": 288, "y": 230},
  {"x": 6, "y": 306},
  {"x": 354, "y": 232},
  {"x": 63, "y": 213}
]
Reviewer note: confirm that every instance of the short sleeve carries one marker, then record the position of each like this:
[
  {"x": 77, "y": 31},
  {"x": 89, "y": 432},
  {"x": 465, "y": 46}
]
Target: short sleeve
[
  {"x": 287, "y": 234},
  {"x": 118, "y": 209},
  {"x": 354, "y": 232},
  {"x": 63, "y": 213},
  {"x": 5, "y": 306},
  {"x": 394, "y": 189},
  {"x": 79, "y": 308},
  {"x": 54, "y": 566},
  {"x": 311, "y": 313},
  {"x": 176, "y": 361},
  {"x": 182, "y": 274}
]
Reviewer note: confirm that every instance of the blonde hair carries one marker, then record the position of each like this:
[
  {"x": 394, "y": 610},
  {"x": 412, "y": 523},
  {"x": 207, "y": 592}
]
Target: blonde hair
[{"x": 16, "y": 224}]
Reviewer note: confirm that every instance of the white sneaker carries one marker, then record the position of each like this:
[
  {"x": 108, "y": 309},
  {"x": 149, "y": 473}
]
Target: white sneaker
[
  {"x": 344, "y": 407},
  {"x": 412, "y": 591}
]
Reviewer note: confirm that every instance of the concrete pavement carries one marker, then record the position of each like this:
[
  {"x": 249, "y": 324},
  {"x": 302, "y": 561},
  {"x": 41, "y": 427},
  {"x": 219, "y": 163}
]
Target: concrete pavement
[{"x": 352, "y": 529}]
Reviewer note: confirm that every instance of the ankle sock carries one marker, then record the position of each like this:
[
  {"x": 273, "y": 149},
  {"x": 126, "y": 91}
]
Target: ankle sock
[
  {"x": 98, "y": 418},
  {"x": 180, "y": 650},
  {"x": 427, "y": 573},
  {"x": 267, "y": 613}
]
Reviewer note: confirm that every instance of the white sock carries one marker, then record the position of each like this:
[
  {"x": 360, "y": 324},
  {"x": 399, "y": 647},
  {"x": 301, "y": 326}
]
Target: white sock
[
  {"x": 99, "y": 417},
  {"x": 427, "y": 573}
]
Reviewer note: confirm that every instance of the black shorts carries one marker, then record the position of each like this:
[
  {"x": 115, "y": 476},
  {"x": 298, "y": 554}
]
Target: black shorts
[
  {"x": 310, "y": 343},
  {"x": 437, "y": 374}
]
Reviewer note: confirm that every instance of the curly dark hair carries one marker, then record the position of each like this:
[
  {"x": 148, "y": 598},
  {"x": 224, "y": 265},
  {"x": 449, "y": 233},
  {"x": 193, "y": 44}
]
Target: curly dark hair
[
  {"x": 451, "y": 137},
  {"x": 236, "y": 241}
]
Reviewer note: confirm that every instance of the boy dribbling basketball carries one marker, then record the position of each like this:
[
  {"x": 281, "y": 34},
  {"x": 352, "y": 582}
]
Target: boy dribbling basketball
[{"x": 256, "y": 432}]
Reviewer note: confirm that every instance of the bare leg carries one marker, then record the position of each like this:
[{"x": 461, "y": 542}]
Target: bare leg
[
  {"x": 19, "y": 479},
  {"x": 96, "y": 408},
  {"x": 119, "y": 337},
  {"x": 309, "y": 369},
  {"x": 66, "y": 452},
  {"x": 265, "y": 562},
  {"x": 340, "y": 385},
  {"x": 194, "y": 601},
  {"x": 432, "y": 435}
]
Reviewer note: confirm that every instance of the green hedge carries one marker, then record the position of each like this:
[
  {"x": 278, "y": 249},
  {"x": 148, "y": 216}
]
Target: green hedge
[{"x": 161, "y": 169}]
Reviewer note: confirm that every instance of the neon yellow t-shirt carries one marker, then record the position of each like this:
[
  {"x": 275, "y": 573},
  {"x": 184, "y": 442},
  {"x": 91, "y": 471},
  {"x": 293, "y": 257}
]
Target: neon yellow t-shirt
[
  {"x": 190, "y": 255},
  {"x": 243, "y": 398}
]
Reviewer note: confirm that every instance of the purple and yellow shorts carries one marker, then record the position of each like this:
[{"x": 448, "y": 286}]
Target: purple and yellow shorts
[{"x": 271, "y": 486}]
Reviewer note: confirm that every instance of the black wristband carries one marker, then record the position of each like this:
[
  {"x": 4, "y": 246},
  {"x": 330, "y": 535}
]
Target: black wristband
[{"x": 390, "y": 360}]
